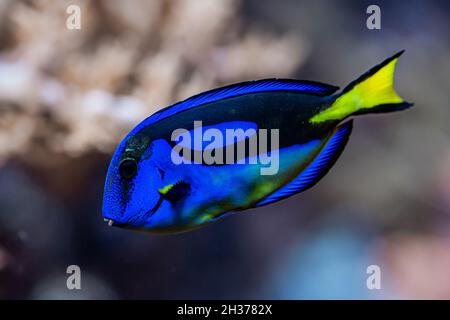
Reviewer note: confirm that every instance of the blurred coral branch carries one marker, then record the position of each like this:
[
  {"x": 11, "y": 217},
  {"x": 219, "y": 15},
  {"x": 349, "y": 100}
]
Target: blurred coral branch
[{"x": 68, "y": 92}]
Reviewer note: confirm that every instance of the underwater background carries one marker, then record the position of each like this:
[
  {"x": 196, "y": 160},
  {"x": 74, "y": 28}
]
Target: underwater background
[{"x": 67, "y": 97}]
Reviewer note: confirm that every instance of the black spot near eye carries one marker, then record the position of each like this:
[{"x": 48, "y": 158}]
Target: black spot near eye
[{"x": 128, "y": 168}]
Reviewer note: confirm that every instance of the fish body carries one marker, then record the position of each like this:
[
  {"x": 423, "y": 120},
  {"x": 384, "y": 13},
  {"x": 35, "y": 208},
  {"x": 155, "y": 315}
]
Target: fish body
[{"x": 147, "y": 188}]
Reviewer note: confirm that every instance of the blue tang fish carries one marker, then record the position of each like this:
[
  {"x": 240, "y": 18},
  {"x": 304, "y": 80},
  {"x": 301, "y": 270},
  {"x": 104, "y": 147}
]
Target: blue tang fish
[{"x": 148, "y": 188}]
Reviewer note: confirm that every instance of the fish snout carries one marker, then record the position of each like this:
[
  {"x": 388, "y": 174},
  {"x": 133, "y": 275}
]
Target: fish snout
[
  {"x": 109, "y": 221},
  {"x": 115, "y": 223}
]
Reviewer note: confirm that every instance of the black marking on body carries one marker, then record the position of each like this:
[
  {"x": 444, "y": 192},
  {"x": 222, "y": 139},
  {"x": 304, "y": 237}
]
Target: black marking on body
[{"x": 288, "y": 111}]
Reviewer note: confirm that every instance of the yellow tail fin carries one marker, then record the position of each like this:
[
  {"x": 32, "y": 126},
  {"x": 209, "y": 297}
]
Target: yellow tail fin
[{"x": 372, "y": 92}]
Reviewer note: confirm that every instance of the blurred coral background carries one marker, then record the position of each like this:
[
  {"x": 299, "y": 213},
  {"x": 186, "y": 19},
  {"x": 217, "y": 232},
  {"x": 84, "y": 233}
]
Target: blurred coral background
[{"x": 67, "y": 97}]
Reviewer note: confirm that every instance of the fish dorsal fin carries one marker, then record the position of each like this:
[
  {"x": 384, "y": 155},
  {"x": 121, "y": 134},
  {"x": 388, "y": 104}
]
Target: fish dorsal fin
[
  {"x": 265, "y": 85},
  {"x": 317, "y": 168}
]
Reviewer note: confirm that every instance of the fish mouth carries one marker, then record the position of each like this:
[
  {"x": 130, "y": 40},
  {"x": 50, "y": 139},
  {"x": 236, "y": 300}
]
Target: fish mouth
[
  {"x": 109, "y": 221},
  {"x": 132, "y": 220},
  {"x": 115, "y": 223}
]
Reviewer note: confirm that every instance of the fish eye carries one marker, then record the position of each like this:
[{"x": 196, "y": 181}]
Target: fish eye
[{"x": 128, "y": 168}]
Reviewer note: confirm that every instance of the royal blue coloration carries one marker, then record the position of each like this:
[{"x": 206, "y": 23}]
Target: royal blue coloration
[
  {"x": 235, "y": 90},
  {"x": 318, "y": 167},
  {"x": 143, "y": 194},
  {"x": 112, "y": 203},
  {"x": 148, "y": 188}
]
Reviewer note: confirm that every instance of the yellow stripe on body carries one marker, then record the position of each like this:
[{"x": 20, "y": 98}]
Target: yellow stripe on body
[{"x": 165, "y": 189}]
